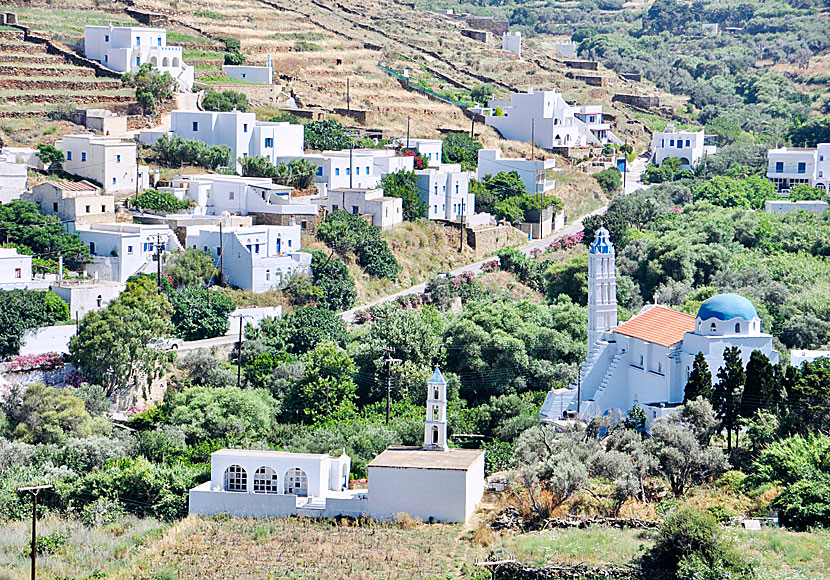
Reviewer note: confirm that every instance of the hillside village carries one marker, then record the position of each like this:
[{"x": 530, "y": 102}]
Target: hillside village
[{"x": 536, "y": 291}]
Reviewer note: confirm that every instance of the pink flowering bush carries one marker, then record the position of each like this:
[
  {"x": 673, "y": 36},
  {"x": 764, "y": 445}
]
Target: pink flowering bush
[
  {"x": 27, "y": 362},
  {"x": 75, "y": 378},
  {"x": 491, "y": 266},
  {"x": 566, "y": 242}
]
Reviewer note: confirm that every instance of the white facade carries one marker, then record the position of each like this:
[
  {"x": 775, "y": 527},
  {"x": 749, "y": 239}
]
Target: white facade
[
  {"x": 84, "y": 295},
  {"x": 446, "y": 191},
  {"x": 256, "y": 258},
  {"x": 512, "y": 41},
  {"x": 602, "y": 287},
  {"x": 789, "y": 166},
  {"x": 547, "y": 119},
  {"x": 386, "y": 212},
  {"x": 647, "y": 360},
  {"x": 358, "y": 169},
  {"x": 120, "y": 250},
  {"x": 432, "y": 149},
  {"x": 687, "y": 146},
  {"x": 565, "y": 48},
  {"x": 536, "y": 175},
  {"x": 109, "y": 161},
  {"x": 76, "y": 203},
  {"x": 15, "y": 269},
  {"x": 126, "y": 48},
  {"x": 260, "y": 75},
  {"x": 783, "y": 207},
  {"x": 14, "y": 178},
  {"x": 798, "y": 357},
  {"x": 241, "y": 132}
]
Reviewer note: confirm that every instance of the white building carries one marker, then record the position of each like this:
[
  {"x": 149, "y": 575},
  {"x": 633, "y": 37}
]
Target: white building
[
  {"x": 245, "y": 136},
  {"x": 255, "y": 258},
  {"x": 120, "y": 250},
  {"x": 432, "y": 149},
  {"x": 109, "y": 161},
  {"x": 259, "y": 75},
  {"x": 798, "y": 357},
  {"x": 565, "y": 48},
  {"x": 84, "y": 295},
  {"x": 14, "y": 178},
  {"x": 126, "y": 48},
  {"x": 76, "y": 203},
  {"x": 783, "y": 207},
  {"x": 687, "y": 146},
  {"x": 446, "y": 191},
  {"x": 385, "y": 211},
  {"x": 647, "y": 360},
  {"x": 548, "y": 120},
  {"x": 789, "y": 166},
  {"x": 512, "y": 41},
  {"x": 15, "y": 269},
  {"x": 355, "y": 169},
  {"x": 537, "y": 175}
]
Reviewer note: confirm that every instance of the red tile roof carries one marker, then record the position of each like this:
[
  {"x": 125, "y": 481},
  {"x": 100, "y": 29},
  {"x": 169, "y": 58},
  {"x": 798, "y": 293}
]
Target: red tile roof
[
  {"x": 658, "y": 325},
  {"x": 73, "y": 185}
]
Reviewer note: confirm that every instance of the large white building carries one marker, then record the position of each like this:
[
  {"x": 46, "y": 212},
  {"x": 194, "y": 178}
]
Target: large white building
[
  {"x": 126, "y": 48},
  {"x": 446, "y": 191},
  {"x": 110, "y": 161},
  {"x": 784, "y": 207},
  {"x": 537, "y": 175},
  {"x": 254, "y": 258},
  {"x": 355, "y": 169},
  {"x": 245, "y": 136},
  {"x": 432, "y": 483},
  {"x": 545, "y": 118},
  {"x": 384, "y": 211},
  {"x": 687, "y": 146},
  {"x": 647, "y": 360},
  {"x": 432, "y": 149},
  {"x": 14, "y": 178},
  {"x": 789, "y": 166}
]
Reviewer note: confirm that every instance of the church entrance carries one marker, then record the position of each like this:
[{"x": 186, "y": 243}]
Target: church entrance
[{"x": 296, "y": 482}]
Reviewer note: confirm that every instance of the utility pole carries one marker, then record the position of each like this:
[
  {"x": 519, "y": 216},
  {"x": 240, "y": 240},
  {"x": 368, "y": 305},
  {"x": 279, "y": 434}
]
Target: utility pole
[
  {"x": 407, "y": 132},
  {"x": 351, "y": 169},
  {"x": 34, "y": 490},
  {"x": 239, "y": 355},
  {"x": 461, "y": 241},
  {"x": 387, "y": 361},
  {"x": 473, "y": 128},
  {"x": 578, "y": 393},
  {"x": 532, "y": 139},
  {"x": 348, "y": 97},
  {"x": 158, "y": 263},
  {"x": 625, "y": 163},
  {"x": 221, "y": 256}
]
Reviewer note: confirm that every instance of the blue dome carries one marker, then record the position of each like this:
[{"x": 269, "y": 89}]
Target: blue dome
[{"x": 727, "y": 307}]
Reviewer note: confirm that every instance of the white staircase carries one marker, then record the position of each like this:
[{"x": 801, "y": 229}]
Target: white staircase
[{"x": 606, "y": 379}]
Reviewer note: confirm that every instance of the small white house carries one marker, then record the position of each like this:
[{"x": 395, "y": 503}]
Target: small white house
[
  {"x": 432, "y": 149},
  {"x": 15, "y": 269},
  {"x": 687, "y": 146},
  {"x": 355, "y": 169},
  {"x": 537, "y": 175},
  {"x": 512, "y": 41},
  {"x": 798, "y": 357},
  {"x": 783, "y": 207},
  {"x": 126, "y": 48},
  {"x": 788, "y": 166},
  {"x": 256, "y": 258},
  {"x": 446, "y": 191},
  {"x": 385, "y": 212},
  {"x": 84, "y": 295},
  {"x": 14, "y": 178},
  {"x": 76, "y": 203},
  {"x": 109, "y": 161},
  {"x": 259, "y": 75}
]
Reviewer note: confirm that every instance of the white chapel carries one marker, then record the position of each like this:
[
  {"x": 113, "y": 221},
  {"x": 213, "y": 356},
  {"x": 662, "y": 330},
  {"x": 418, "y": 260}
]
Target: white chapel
[{"x": 648, "y": 359}]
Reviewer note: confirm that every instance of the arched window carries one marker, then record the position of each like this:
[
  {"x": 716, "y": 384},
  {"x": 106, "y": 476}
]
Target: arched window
[
  {"x": 660, "y": 368},
  {"x": 698, "y": 326},
  {"x": 714, "y": 327},
  {"x": 737, "y": 327},
  {"x": 267, "y": 275},
  {"x": 236, "y": 479},
  {"x": 296, "y": 482},
  {"x": 265, "y": 481},
  {"x": 165, "y": 62},
  {"x": 435, "y": 435},
  {"x": 688, "y": 373},
  {"x": 435, "y": 413},
  {"x": 435, "y": 393},
  {"x": 100, "y": 300},
  {"x": 175, "y": 62}
]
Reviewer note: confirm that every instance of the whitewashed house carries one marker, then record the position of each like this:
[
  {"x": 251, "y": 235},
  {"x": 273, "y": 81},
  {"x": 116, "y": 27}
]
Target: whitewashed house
[
  {"x": 512, "y": 41},
  {"x": 14, "y": 178},
  {"x": 110, "y": 161},
  {"x": 15, "y": 269},
  {"x": 84, "y": 295},
  {"x": 385, "y": 212},
  {"x": 687, "y": 146},
  {"x": 799, "y": 357},
  {"x": 259, "y": 75},
  {"x": 355, "y": 169},
  {"x": 646, "y": 361},
  {"x": 76, "y": 203},
  {"x": 255, "y": 258},
  {"x": 537, "y": 175},
  {"x": 446, "y": 191},
  {"x": 125, "y": 48},
  {"x": 783, "y": 207},
  {"x": 432, "y": 149},
  {"x": 545, "y": 118},
  {"x": 120, "y": 250},
  {"x": 788, "y": 166}
]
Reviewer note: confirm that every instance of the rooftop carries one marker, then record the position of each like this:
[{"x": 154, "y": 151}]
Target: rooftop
[
  {"x": 658, "y": 325},
  {"x": 73, "y": 185},
  {"x": 418, "y": 458},
  {"x": 265, "y": 453}
]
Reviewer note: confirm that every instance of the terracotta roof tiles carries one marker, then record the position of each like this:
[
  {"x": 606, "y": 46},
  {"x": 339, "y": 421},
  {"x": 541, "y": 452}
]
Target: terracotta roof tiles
[{"x": 658, "y": 325}]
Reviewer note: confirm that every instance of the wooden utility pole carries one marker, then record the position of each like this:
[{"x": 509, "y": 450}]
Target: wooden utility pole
[
  {"x": 387, "y": 361},
  {"x": 239, "y": 355},
  {"x": 348, "y": 97},
  {"x": 578, "y": 393},
  {"x": 221, "y": 256},
  {"x": 473, "y": 128},
  {"x": 34, "y": 490},
  {"x": 158, "y": 263},
  {"x": 407, "y": 132}
]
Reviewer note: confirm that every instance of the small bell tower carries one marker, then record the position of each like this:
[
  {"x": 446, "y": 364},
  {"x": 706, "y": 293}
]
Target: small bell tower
[
  {"x": 435, "y": 425},
  {"x": 602, "y": 287}
]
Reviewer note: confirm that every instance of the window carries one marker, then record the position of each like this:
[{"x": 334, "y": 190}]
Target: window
[
  {"x": 435, "y": 209},
  {"x": 236, "y": 479},
  {"x": 367, "y": 170},
  {"x": 256, "y": 248},
  {"x": 436, "y": 189},
  {"x": 265, "y": 481},
  {"x": 435, "y": 393},
  {"x": 55, "y": 206},
  {"x": 138, "y": 41},
  {"x": 230, "y": 195},
  {"x": 195, "y": 125},
  {"x": 118, "y": 159},
  {"x": 18, "y": 273},
  {"x": 69, "y": 155},
  {"x": 138, "y": 61},
  {"x": 335, "y": 207},
  {"x": 348, "y": 171},
  {"x": 660, "y": 368},
  {"x": 218, "y": 250},
  {"x": 320, "y": 171},
  {"x": 267, "y": 275},
  {"x": 435, "y": 413},
  {"x": 357, "y": 170},
  {"x": 99, "y": 300},
  {"x": 671, "y": 143},
  {"x": 355, "y": 210},
  {"x": 244, "y": 127},
  {"x": 269, "y": 142},
  {"x": 103, "y": 207},
  {"x": 106, "y": 38},
  {"x": 129, "y": 249},
  {"x": 296, "y": 482},
  {"x": 83, "y": 156},
  {"x": 113, "y": 182},
  {"x": 106, "y": 58},
  {"x": 304, "y": 225},
  {"x": 662, "y": 142},
  {"x": 158, "y": 41},
  {"x": 435, "y": 435},
  {"x": 336, "y": 171},
  {"x": 737, "y": 327},
  {"x": 779, "y": 167},
  {"x": 456, "y": 188},
  {"x": 289, "y": 243},
  {"x": 714, "y": 327},
  {"x": 802, "y": 167},
  {"x": 243, "y": 75},
  {"x": 88, "y": 209},
  {"x": 641, "y": 361}
]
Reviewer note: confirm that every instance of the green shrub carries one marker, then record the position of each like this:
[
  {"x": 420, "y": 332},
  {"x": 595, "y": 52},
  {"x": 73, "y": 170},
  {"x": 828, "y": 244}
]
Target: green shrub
[
  {"x": 350, "y": 233},
  {"x": 51, "y": 543},
  {"x": 305, "y": 46},
  {"x": 610, "y": 180},
  {"x": 224, "y": 101},
  {"x": 805, "y": 504},
  {"x": 159, "y": 201}
]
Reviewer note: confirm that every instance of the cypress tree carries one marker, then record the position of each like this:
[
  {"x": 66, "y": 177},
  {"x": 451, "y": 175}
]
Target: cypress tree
[
  {"x": 727, "y": 393},
  {"x": 700, "y": 380}
]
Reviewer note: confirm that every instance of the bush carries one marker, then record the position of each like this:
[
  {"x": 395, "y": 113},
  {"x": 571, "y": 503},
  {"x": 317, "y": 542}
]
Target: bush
[
  {"x": 345, "y": 232},
  {"x": 332, "y": 277},
  {"x": 159, "y": 201},
  {"x": 326, "y": 135},
  {"x": 175, "y": 152},
  {"x": 200, "y": 313},
  {"x": 610, "y": 180},
  {"x": 224, "y": 101}
]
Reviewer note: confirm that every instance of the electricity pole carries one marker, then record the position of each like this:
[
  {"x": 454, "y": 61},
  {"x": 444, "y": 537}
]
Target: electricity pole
[
  {"x": 625, "y": 163},
  {"x": 472, "y": 128},
  {"x": 158, "y": 263},
  {"x": 348, "y": 97},
  {"x": 578, "y": 393},
  {"x": 221, "y": 256},
  {"x": 34, "y": 490},
  {"x": 387, "y": 361},
  {"x": 239, "y": 356},
  {"x": 407, "y": 132}
]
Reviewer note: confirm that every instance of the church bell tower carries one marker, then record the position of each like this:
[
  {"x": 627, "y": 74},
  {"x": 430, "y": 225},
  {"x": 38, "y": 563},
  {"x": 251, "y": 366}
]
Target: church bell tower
[
  {"x": 435, "y": 426},
  {"x": 602, "y": 287}
]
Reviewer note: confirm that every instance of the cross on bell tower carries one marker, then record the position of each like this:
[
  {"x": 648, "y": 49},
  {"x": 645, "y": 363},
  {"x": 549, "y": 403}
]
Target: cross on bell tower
[
  {"x": 602, "y": 287},
  {"x": 435, "y": 425}
]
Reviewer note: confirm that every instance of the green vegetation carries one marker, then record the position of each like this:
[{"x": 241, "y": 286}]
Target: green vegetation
[
  {"x": 610, "y": 180},
  {"x": 175, "y": 152},
  {"x": 159, "y": 201},
  {"x": 151, "y": 88},
  {"x": 224, "y": 101},
  {"x": 326, "y": 136},
  {"x": 461, "y": 148},
  {"x": 404, "y": 185},
  {"x": 298, "y": 173},
  {"x": 22, "y": 310},
  {"x": 350, "y": 233},
  {"x": 504, "y": 195}
]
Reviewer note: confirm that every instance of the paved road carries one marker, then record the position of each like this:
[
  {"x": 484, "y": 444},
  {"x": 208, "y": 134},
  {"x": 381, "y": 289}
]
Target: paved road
[{"x": 632, "y": 184}]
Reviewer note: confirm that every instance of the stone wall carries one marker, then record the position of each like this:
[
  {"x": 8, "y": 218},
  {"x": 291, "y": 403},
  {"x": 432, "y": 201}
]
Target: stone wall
[
  {"x": 488, "y": 239},
  {"x": 636, "y": 100},
  {"x": 582, "y": 64},
  {"x": 511, "y": 570},
  {"x": 637, "y": 77},
  {"x": 272, "y": 219},
  {"x": 594, "y": 81},
  {"x": 479, "y": 35}
]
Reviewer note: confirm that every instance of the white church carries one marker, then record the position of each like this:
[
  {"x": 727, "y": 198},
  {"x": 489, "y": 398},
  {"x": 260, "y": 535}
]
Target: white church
[
  {"x": 647, "y": 360},
  {"x": 432, "y": 483}
]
